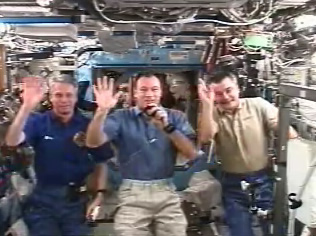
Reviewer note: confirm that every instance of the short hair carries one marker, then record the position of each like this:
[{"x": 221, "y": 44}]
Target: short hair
[
  {"x": 219, "y": 75},
  {"x": 66, "y": 79},
  {"x": 147, "y": 74}
]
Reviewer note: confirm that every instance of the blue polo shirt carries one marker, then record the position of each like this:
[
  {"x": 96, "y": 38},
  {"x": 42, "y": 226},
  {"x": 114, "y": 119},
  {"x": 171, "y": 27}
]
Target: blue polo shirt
[
  {"x": 144, "y": 151},
  {"x": 58, "y": 159}
]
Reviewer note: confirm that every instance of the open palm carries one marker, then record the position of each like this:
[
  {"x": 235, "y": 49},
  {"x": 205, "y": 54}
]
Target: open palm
[
  {"x": 104, "y": 93},
  {"x": 33, "y": 91}
]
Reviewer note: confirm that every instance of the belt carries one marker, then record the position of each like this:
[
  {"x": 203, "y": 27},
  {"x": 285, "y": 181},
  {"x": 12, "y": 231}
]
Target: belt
[
  {"x": 44, "y": 185},
  {"x": 157, "y": 182},
  {"x": 248, "y": 174},
  {"x": 72, "y": 191}
]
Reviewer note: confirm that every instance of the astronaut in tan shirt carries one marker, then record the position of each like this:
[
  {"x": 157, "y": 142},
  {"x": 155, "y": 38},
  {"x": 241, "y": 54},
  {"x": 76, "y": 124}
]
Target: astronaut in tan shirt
[{"x": 240, "y": 128}]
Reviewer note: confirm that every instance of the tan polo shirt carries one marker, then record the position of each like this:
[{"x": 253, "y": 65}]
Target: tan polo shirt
[{"x": 241, "y": 142}]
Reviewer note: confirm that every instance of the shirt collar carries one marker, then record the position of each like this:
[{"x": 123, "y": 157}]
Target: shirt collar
[
  {"x": 137, "y": 111},
  {"x": 77, "y": 117}
]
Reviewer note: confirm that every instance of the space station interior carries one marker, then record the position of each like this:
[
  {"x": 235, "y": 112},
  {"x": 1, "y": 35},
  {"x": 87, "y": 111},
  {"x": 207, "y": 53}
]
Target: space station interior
[{"x": 268, "y": 44}]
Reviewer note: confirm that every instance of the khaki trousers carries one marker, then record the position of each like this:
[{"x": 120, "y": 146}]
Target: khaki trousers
[{"x": 149, "y": 208}]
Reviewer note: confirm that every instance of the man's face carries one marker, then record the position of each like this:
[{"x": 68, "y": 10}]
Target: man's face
[
  {"x": 226, "y": 94},
  {"x": 148, "y": 91},
  {"x": 63, "y": 98},
  {"x": 179, "y": 87}
]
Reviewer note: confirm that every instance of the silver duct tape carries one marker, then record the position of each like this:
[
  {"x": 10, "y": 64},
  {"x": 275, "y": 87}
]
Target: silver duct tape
[{"x": 206, "y": 192}]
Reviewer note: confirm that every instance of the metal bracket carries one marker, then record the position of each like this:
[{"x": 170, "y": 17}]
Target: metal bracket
[{"x": 287, "y": 91}]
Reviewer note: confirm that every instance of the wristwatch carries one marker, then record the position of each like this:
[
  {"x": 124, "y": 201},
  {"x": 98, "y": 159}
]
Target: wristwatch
[{"x": 169, "y": 128}]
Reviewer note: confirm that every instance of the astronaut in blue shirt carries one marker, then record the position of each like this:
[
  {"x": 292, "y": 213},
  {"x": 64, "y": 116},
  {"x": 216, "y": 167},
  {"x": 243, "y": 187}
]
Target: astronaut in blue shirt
[
  {"x": 147, "y": 139},
  {"x": 62, "y": 161}
]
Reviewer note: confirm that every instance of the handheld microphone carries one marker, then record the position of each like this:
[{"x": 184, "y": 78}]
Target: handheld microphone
[
  {"x": 152, "y": 114},
  {"x": 148, "y": 108}
]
